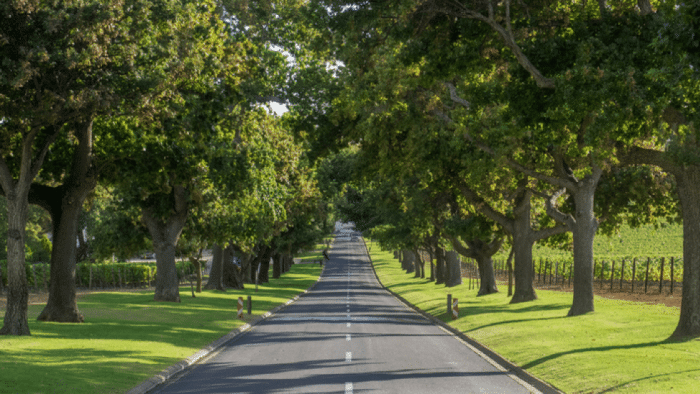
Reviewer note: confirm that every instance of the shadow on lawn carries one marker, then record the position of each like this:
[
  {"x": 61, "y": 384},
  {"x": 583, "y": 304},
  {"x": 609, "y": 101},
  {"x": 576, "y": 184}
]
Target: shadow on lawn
[
  {"x": 554, "y": 356},
  {"x": 621, "y": 385}
]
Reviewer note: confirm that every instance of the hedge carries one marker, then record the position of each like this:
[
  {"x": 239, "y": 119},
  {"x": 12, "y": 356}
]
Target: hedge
[{"x": 104, "y": 275}]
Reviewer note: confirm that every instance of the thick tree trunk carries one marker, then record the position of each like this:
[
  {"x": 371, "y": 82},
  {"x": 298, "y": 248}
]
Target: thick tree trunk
[
  {"x": 232, "y": 272},
  {"x": 265, "y": 266},
  {"x": 583, "y": 233},
  {"x": 454, "y": 269},
  {"x": 408, "y": 259},
  {"x": 417, "y": 264},
  {"x": 688, "y": 185},
  {"x": 216, "y": 274},
  {"x": 277, "y": 265},
  {"x": 486, "y": 272},
  {"x": 65, "y": 204},
  {"x": 165, "y": 235},
  {"x": 15, "y": 322},
  {"x": 523, "y": 272},
  {"x": 62, "y": 305},
  {"x": 439, "y": 265}
]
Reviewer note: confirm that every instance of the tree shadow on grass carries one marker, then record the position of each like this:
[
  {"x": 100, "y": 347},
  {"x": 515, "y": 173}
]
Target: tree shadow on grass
[
  {"x": 554, "y": 356},
  {"x": 621, "y": 385}
]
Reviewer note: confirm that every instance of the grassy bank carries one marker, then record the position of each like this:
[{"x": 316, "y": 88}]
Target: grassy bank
[
  {"x": 127, "y": 337},
  {"x": 621, "y": 348}
]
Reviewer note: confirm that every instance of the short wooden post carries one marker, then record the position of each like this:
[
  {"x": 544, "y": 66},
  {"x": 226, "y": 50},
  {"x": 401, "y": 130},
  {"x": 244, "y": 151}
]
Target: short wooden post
[
  {"x": 661, "y": 276},
  {"x": 239, "y": 313},
  {"x": 612, "y": 275},
  {"x": 672, "y": 278},
  {"x": 449, "y": 303},
  {"x": 634, "y": 272},
  {"x": 455, "y": 309},
  {"x": 646, "y": 277},
  {"x": 250, "y": 305}
]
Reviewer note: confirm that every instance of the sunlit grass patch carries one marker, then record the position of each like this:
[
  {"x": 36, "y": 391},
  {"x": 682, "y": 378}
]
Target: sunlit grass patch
[{"x": 128, "y": 337}]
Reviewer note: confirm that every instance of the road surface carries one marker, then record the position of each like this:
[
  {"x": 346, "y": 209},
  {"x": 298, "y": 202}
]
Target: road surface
[{"x": 347, "y": 335}]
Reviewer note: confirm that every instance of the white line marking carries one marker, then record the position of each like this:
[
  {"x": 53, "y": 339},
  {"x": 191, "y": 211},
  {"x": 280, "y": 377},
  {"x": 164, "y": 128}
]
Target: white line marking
[
  {"x": 347, "y": 337},
  {"x": 348, "y": 388},
  {"x": 349, "y": 325},
  {"x": 348, "y": 357}
]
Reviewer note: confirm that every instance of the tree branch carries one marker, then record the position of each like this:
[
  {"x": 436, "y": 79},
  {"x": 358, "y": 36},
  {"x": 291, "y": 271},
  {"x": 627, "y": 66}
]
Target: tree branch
[{"x": 551, "y": 209}]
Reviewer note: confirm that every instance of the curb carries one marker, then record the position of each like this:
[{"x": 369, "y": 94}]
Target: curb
[
  {"x": 172, "y": 370},
  {"x": 530, "y": 381}
]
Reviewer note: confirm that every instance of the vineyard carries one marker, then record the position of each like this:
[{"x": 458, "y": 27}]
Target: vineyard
[{"x": 645, "y": 260}]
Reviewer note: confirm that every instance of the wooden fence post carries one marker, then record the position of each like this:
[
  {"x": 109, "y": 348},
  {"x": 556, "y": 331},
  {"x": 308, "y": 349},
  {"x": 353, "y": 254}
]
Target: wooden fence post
[
  {"x": 539, "y": 274},
  {"x": 556, "y": 274},
  {"x": 571, "y": 273},
  {"x": 622, "y": 274},
  {"x": 672, "y": 279},
  {"x": 550, "y": 272},
  {"x": 634, "y": 272},
  {"x": 646, "y": 277},
  {"x": 612, "y": 275},
  {"x": 661, "y": 276}
]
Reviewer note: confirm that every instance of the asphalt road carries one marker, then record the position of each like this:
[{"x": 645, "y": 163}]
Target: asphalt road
[{"x": 347, "y": 335}]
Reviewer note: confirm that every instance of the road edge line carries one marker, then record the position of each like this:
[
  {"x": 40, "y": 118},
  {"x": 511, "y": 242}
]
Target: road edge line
[{"x": 495, "y": 359}]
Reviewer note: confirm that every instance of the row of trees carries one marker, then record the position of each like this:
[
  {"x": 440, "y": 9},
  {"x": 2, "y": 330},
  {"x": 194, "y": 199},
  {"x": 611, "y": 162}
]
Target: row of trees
[
  {"x": 155, "y": 112},
  {"x": 480, "y": 123}
]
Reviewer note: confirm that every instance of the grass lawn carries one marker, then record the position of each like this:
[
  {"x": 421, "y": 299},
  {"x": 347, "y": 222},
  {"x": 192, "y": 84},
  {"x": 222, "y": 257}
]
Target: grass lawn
[
  {"x": 622, "y": 347},
  {"x": 127, "y": 337}
]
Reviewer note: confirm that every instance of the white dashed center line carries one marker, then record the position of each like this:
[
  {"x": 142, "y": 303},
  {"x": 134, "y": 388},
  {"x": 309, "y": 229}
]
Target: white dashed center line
[
  {"x": 348, "y": 388},
  {"x": 347, "y": 337},
  {"x": 348, "y": 357}
]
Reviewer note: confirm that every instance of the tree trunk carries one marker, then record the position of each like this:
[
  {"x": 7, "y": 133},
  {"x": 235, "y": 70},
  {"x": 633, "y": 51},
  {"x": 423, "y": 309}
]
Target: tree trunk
[
  {"x": 64, "y": 204},
  {"x": 439, "y": 265},
  {"x": 216, "y": 275},
  {"x": 232, "y": 271},
  {"x": 15, "y": 322},
  {"x": 198, "y": 271},
  {"x": 584, "y": 231},
  {"x": 408, "y": 259},
  {"x": 523, "y": 272},
  {"x": 454, "y": 269},
  {"x": 165, "y": 235},
  {"x": 417, "y": 264},
  {"x": 688, "y": 185},
  {"x": 62, "y": 305},
  {"x": 432, "y": 264},
  {"x": 277, "y": 265},
  {"x": 265, "y": 266},
  {"x": 486, "y": 272}
]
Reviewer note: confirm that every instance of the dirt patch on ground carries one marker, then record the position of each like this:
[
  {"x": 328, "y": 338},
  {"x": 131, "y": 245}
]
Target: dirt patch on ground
[{"x": 651, "y": 297}]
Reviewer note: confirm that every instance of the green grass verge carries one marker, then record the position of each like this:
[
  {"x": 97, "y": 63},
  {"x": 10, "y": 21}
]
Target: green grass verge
[
  {"x": 312, "y": 255},
  {"x": 127, "y": 337},
  {"x": 622, "y": 347}
]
